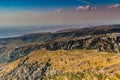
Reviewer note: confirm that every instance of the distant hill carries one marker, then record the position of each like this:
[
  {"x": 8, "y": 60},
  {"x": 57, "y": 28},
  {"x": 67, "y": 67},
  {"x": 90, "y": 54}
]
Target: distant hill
[{"x": 67, "y": 33}]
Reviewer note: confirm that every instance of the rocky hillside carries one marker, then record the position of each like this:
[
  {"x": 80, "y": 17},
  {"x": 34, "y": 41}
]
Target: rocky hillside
[
  {"x": 41, "y": 56},
  {"x": 63, "y": 65},
  {"x": 103, "y": 43}
]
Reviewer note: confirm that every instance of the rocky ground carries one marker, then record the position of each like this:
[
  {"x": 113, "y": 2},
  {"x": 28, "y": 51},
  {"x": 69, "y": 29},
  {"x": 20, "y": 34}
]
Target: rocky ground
[
  {"x": 103, "y": 43},
  {"x": 63, "y": 65}
]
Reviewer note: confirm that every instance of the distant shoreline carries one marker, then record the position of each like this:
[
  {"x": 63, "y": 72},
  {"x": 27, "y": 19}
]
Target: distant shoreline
[{"x": 20, "y": 31}]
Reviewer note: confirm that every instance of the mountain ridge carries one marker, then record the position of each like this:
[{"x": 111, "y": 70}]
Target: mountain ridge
[
  {"x": 47, "y": 36},
  {"x": 86, "y": 54}
]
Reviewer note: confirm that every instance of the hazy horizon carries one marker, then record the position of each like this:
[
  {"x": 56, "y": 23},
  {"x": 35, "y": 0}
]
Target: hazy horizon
[
  {"x": 60, "y": 12},
  {"x": 22, "y": 16},
  {"x": 8, "y": 32}
]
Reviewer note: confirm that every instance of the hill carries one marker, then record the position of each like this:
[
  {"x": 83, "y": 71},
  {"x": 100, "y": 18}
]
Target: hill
[
  {"x": 82, "y": 54},
  {"x": 100, "y": 43},
  {"x": 67, "y": 33},
  {"x": 63, "y": 65}
]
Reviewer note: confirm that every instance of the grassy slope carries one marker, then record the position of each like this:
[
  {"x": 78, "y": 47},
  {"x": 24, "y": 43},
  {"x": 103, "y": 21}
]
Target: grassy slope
[{"x": 74, "y": 61}]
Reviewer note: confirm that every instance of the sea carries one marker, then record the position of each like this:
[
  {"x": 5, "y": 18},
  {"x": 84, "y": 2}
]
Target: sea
[{"x": 8, "y": 32}]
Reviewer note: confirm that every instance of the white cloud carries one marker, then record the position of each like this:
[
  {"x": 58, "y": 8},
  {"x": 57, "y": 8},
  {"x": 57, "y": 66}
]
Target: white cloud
[
  {"x": 114, "y": 6},
  {"x": 59, "y": 10},
  {"x": 88, "y": 7}
]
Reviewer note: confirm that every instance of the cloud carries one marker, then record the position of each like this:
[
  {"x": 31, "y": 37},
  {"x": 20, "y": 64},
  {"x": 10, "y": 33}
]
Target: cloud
[
  {"x": 114, "y": 6},
  {"x": 59, "y": 10},
  {"x": 88, "y": 7}
]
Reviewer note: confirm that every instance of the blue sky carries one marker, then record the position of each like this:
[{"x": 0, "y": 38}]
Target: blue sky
[
  {"x": 57, "y": 12},
  {"x": 53, "y": 3}
]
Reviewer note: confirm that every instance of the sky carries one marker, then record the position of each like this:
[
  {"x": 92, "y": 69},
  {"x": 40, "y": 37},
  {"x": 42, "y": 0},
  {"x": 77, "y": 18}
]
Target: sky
[{"x": 58, "y": 12}]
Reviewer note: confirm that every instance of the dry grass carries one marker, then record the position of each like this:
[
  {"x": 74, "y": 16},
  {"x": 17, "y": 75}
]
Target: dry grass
[{"x": 71, "y": 61}]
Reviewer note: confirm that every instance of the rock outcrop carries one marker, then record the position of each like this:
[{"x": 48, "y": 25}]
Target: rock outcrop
[{"x": 103, "y": 43}]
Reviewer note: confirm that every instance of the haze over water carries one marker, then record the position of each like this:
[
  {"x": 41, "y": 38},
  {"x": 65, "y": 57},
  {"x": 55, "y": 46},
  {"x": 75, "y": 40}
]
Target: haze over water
[{"x": 6, "y": 32}]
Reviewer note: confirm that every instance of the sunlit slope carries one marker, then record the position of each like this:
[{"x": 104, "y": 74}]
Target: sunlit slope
[{"x": 64, "y": 65}]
